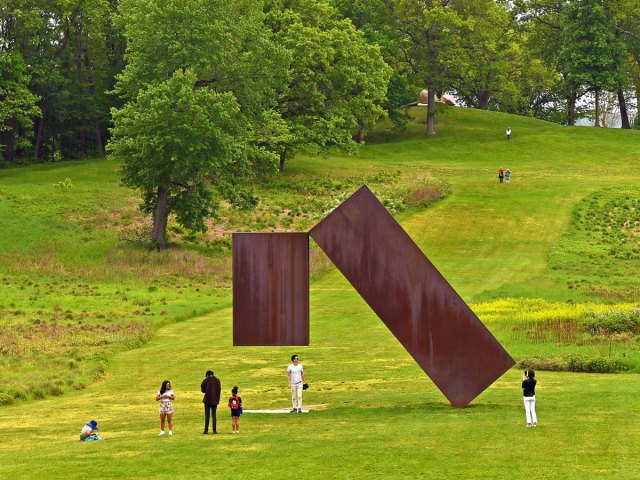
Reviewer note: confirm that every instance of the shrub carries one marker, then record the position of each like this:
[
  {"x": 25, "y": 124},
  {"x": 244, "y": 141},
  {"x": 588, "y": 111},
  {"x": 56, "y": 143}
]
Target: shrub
[
  {"x": 6, "y": 399},
  {"x": 38, "y": 393},
  {"x": 595, "y": 365},
  {"x": 609, "y": 323}
]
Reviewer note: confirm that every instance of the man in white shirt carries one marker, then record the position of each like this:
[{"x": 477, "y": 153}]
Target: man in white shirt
[{"x": 295, "y": 377}]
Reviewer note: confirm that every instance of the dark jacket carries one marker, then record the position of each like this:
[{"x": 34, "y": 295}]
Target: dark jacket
[
  {"x": 211, "y": 389},
  {"x": 529, "y": 387}
]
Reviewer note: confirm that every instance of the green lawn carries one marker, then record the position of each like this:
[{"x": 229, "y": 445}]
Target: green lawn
[
  {"x": 382, "y": 418},
  {"x": 531, "y": 258}
]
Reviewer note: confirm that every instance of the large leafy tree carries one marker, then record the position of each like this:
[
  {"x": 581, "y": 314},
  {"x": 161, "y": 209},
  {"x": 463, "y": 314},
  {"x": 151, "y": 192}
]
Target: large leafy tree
[
  {"x": 66, "y": 47},
  {"x": 432, "y": 31},
  {"x": 489, "y": 65},
  {"x": 17, "y": 104},
  {"x": 590, "y": 49},
  {"x": 171, "y": 141},
  {"x": 338, "y": 80},
  {"x": 374, "y": 18},
  {"x": 200, "y": 80}
]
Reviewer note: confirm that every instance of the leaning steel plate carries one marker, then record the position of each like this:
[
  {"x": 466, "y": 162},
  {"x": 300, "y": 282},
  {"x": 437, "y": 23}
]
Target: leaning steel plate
[{"x": 411, "y": 297}]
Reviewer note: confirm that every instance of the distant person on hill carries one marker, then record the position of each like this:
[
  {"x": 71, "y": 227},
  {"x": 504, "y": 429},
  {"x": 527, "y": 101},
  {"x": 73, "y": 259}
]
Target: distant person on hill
[
  {"x": 507, "y": 176},
  {"x": 508, "y": 133},
  {"x": 501, "y": 174},
  {"x": 529, "y": 393},
  {"x": 166, "y": 396},
  {"x": 211, "y": 388},
  {"x": 87, "y": 434},
  {"x": 295, "y": 379},
  {"x": 235, "y": 405}
]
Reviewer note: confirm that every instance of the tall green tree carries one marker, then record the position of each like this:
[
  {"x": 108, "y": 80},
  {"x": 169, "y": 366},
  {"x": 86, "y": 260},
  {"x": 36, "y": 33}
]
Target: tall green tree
[
  {"x": 489, "y": 64},
  {"x": 200, "y": 82},
  {"x": 17, "y": 104},
  {"x": 432, "y": 31},
  {"x": 543, "y": 22},
  {"x": 172, "y": 141},
  {"x": 337, "y": 79},
  {"x": 590, "y": 50},
  {"x": 374, "y": 18}
]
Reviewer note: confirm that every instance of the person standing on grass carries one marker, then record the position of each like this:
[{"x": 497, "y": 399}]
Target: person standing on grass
[
  {"x": 211, "y": 388},
  {"x": 529, "y": 392},
  {"x": 508, "y": 133},
  {"x": 166, "y": 396},
  {"x": 295, "y": 378},
  {"x": 501, "y": 174},
  {"x": 235, "y": 405},
  {"x": 507, "y": 176}
]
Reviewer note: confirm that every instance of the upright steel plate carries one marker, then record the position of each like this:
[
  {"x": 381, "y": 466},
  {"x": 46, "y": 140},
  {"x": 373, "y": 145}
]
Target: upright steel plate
[{"x": 270, "y": 289}]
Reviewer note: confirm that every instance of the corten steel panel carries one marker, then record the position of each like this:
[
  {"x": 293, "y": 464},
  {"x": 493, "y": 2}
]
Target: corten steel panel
[
  {"x": 270, "y": 289},
  {"x": 411, "y": 297}
]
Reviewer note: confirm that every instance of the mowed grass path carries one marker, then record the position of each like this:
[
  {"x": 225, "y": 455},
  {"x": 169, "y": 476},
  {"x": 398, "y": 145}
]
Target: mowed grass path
[
  {"x": 383, "y": 417},
  {"x": 489, "y": 235}
]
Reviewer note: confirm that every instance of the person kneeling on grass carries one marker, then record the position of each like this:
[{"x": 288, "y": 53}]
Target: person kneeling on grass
[{"x": 87, "y": 434}]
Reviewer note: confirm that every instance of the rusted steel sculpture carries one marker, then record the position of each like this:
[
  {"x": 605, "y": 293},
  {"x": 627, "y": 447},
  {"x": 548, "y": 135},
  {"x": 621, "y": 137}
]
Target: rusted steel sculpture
[
  {"x": 270, "y": 289},
  {"x": 427, "y": 316},
  {"x": 411, "y": 297}
]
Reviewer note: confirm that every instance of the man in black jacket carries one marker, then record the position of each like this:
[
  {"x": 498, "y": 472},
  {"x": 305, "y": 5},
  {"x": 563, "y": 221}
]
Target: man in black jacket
[{"x": 211, "y": 389}]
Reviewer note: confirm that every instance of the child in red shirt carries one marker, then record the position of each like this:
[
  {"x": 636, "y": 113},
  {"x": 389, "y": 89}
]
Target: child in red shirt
[{"x": 235, "y": 404}]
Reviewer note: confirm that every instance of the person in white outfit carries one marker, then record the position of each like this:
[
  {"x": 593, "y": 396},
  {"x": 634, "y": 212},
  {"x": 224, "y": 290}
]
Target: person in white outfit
[
  {"x": 295, "y": 378},
  {"x": 529, "y": 393}
]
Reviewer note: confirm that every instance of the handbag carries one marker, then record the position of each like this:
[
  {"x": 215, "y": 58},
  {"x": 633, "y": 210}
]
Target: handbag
[{"x": 305, "y": 386}]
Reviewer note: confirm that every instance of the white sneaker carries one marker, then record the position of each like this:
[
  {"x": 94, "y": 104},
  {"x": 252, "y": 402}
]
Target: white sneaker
[
  {"x": 170, "y": 432},
  {"x": 161, "y": 432}
]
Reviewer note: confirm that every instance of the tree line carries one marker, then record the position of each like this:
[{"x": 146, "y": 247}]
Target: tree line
[{"x": 197, "y": 97}]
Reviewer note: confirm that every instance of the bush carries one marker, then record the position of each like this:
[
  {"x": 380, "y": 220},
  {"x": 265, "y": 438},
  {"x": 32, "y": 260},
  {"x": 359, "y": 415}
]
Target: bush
[
  {"x": 574, "y": 363},
  {"x": 595, "y": 365},
  {"x": 6, "y": 399},
  {"x": 610, "y": 323}
]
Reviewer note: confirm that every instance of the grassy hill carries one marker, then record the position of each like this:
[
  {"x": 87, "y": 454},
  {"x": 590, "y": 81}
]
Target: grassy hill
[{"x": 91, "y": 322}]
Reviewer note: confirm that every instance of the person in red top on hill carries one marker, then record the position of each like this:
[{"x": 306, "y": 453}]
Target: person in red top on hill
[
  {"x": 501, "y": 174},
  {"x": 235, "y": 404}
]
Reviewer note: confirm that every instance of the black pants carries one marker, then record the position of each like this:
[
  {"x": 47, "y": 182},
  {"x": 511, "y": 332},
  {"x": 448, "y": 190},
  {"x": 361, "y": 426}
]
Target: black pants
[{"x": 210, "y": 411}]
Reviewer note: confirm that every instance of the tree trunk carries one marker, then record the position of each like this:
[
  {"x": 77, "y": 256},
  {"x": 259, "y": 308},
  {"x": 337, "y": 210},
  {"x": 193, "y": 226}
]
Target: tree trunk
[
  {"x": 571, "y": 108},
  {"x": 283, "y": 155},
  {"x": 431, "y": 112},
  {"x": 8, "y": 140},
  {"x": 624, "y": 116},
  {"x": 597, "y": 108},
  {"x": 96, "y": 126},
  {"x": 160, "y": 215},
  {"x": 96, "y": 119},
  {"x": 37, "y": 150},
  {"x": 483, "y": 100}
]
